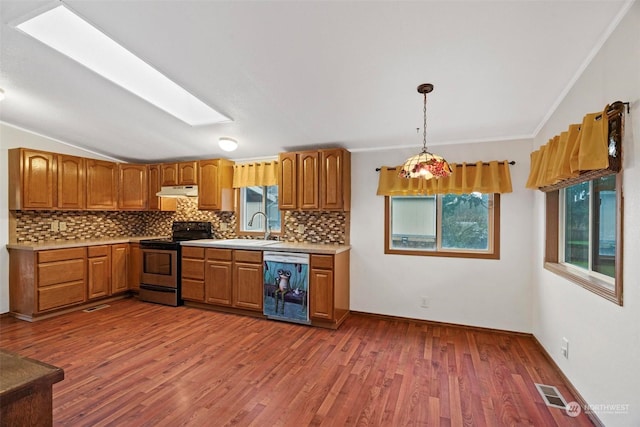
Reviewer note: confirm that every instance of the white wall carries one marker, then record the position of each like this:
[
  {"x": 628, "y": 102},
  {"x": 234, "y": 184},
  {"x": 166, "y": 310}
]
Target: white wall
[
  {"x": 12, "y": 137},
  {"x": 488, "y": 293},
  {"x": 604, "y": 338}
]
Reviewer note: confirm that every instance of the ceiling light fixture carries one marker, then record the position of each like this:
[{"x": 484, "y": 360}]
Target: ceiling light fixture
[
  {"x": 227, "y": 144},
  {"x": 64, "y": 31},
  {"x": 425, "y": 165}
]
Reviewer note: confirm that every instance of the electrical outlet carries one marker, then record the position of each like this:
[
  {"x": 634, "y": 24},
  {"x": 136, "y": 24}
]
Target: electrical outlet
[
  {"x": 63, "y": 226},
  {"x": 425, "y": 302},
  {"x": 301, "y": 228},
  {"x": 564, "y": 349},
  {"x": 223, "y": 226},
  {"x": 55, "y": 225}
]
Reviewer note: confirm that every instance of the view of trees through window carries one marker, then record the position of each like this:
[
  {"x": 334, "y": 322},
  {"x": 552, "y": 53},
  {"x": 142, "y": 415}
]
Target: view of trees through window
[{"x": 465, "y": 221}]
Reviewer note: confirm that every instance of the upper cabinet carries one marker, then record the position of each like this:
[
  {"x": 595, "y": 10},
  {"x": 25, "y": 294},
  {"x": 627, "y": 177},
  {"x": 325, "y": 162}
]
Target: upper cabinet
[
  {"x": 183, "y": 173},
  {"x": 32, "y": 179},
  {"x": 158, "y": 203},
  {"x": 215, "y": 191},
  {"x": 134, "y": 187},
  {"x": 102, "y": 185},
  {"x": 315, "y": 180},
  {"x": 71, "y": 182}
]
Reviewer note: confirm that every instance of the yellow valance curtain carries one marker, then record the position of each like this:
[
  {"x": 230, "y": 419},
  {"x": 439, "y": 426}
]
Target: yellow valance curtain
[
  {"x": 491, "y": 177},
  {"x": 255, "y": 174},
  {"x": 583, "y": 147}
]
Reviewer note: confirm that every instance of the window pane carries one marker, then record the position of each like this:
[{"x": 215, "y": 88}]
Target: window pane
[
  {"x": 272, "y": 210},
  {"x": 251, "y": 202},
  {"x": 413, "y": 223},
  {"x": 604, "y": 234},
  {"x": 465, "y": 221},
  {"x": 576, "y": 225}
]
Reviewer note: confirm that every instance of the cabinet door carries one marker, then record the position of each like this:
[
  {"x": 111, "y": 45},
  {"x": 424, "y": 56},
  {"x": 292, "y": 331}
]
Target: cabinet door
[
  {"x": 188, "y": 173},
  {"x": 193, "y": 274},
  {"x": 133, "y": 187},
  {"x": 248, "y": 286},
  {"x": 119, "y": 264},
  {"x": 288, "y": 178},
  {"x": 209, "y": 187},
  {"x": 158, "y": 203},
  {"x": 218, "y": 278},
  {"x": 308, "y": 180},
  {"x": 169, "y": 174},
  {"x": 71, "y": 182},
  {"x": 38, "y": 180},
  {"x": 102, "y": 185},
  {"x": 135, "y": 266},
  {"x": 321, "y": 294},
  {"x": 99, "y": 273},
  {"x": 334, "y": 174}
]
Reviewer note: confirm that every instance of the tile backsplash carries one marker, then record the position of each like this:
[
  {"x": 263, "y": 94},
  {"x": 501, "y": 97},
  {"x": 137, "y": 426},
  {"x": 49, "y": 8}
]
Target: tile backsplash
[{"x": 298, "y": 226}]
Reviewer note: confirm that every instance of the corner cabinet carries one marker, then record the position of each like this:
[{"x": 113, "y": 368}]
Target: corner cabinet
[
  {"x": 102, "y": 185},
  {"x": 215, "y": 191},
  {"x": 315, "y": 180}
]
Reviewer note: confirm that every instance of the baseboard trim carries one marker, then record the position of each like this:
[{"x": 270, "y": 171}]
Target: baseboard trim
[
  {"x": 437, "y": 323},
  {"x": 583, "y": 403}
]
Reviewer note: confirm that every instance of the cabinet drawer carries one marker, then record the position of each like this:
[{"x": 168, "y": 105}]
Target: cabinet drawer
[
  {"x": 248, "y": 256},
  {"x": 96, "y": 251},
  {"x": 61, "y": 272},
  {"x": 322, "y": 261},
  {"x": 219, "y": 254},
  {"x": 193, "y": 289},
  {"x": 192, "y": 252},
  {"x": 193, "y": 268},
  {"x": 60, "y": 295},
  {"x": 61, "y": 254}
]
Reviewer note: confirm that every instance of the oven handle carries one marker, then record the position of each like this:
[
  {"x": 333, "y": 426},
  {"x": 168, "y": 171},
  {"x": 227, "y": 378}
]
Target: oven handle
[{"x": 156, "y": 288}]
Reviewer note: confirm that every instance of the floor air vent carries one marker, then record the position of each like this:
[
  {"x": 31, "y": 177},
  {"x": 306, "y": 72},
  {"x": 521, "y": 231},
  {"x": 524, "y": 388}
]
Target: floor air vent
[
  {"x": 551, "y": 396},
  {"x": 97, "y": 307}
]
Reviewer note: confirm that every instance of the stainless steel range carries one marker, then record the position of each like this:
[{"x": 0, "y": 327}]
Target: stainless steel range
[{"x": 160, "y": 280}]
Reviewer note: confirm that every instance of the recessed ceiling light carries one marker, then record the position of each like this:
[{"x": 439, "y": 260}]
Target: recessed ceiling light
[
  {"x": 64, "y": 31},
  {"x": 227, "y": 144}
]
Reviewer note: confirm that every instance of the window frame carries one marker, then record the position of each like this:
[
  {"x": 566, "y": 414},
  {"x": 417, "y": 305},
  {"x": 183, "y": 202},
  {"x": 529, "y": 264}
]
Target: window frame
[
  {"x": 239, "y": 217},
  {"x": 494, "y": 234},
  {"x": 584, "y": 278}
]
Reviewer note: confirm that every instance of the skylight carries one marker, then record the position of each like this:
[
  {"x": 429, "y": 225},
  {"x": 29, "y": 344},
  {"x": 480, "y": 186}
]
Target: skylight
[{"x": 66, "y": 32}]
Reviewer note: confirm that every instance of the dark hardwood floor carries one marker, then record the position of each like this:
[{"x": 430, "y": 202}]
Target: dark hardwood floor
[{"x": 140, "y": 364}]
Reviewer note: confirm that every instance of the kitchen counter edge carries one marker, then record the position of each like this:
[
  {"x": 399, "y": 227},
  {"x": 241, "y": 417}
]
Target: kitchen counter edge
[
  {"x": 315, "y": 248},
  {"x": 77, "y": 243}
]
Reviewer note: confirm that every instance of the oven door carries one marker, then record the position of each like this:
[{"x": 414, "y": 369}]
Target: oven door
[{"x": 160, "y": 267}]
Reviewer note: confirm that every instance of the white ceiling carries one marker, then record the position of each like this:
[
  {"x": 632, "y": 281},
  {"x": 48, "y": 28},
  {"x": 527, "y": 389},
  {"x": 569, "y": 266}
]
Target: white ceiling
[{"x": 307, "y": 73}]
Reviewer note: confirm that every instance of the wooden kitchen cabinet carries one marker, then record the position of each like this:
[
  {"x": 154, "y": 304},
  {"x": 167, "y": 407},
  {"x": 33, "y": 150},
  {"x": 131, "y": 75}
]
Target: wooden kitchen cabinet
[
  {"x": 119, "y": 268},
  {"x": 134, "y": 187},
  {"x": 215, "y": 185},
  {"x": 102, "y": 185},
  {"x": 183, "y": 173},
  {"x": 32, "y": 179},
  {"x": 43, "y": 281},
  {"x": 329, "y": 289},
  {"x": 98, "y": 271},
  {"x": 248, "y": 280},
  {"x": 219, "y": 276},
  {"x": 193, "y": 276},
  {"x": 315, "y": 180},
  {"x": 71, "y": 182},
  {"x": 135, "y": 266},
  {"x": 158, "y": 203}
]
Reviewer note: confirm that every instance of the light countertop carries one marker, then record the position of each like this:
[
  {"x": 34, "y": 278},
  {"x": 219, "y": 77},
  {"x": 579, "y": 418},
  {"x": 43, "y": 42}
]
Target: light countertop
[
  {"x": 273, "y": 246},
  {"x": 77, "y": 243}
]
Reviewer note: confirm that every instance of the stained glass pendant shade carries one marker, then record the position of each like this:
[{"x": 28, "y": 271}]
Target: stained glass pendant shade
[{"x": 425, "y": 165}]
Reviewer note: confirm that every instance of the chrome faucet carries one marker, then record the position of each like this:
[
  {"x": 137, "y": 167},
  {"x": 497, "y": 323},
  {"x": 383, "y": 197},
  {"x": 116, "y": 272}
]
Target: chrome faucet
[{"x": 267, "y": 228}]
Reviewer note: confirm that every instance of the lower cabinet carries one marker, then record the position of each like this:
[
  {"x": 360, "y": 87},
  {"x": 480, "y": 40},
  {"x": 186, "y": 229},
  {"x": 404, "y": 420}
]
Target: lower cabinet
[
  {"x": 135, "y": 266},
  {"x": 329, "y": 289},
  {"x": 46, "y": 281},
  {"x": 193, "y": 274},
  {"x": 218, "y": 276},
  {"x": 247, "y": 280}
]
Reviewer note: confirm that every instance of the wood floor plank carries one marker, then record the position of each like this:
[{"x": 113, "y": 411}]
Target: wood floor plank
[{"x": 139, "y": 364}]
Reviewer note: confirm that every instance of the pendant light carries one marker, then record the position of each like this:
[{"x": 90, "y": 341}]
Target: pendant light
[{"x": 425, "y": 165}]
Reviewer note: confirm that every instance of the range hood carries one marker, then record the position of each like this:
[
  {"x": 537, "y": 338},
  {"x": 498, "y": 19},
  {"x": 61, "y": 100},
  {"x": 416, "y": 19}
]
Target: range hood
[{"x": 178, "y": 191}]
